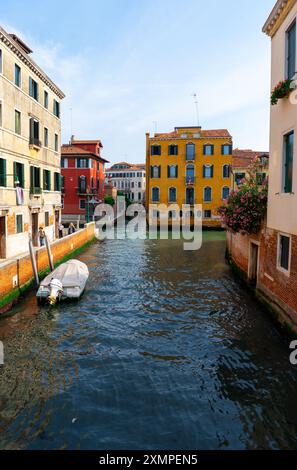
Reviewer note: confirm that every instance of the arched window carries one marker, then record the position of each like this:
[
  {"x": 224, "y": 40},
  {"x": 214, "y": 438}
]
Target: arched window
[
  {"x": 172, "y": 194},
  {"x": 190, "y": 151},
  {"x": 207, "y": 194},
  {"x": 155, "y": 171},
  {"x": 226, "y": 171},
  {"x": 225, "y": 192},
  {"x": 190, "y": 174},
  {"x": 82, "y": 184},
  {"x": 155, "y": 194},
  {"x": 172, "y": 171}
]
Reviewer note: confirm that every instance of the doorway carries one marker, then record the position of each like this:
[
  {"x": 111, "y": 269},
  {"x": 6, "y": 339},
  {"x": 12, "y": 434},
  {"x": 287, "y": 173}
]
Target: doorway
[
  {"x": 35, "y": 229},
  {"x": 2, "y": 237},
  {"x": 253, "y": 268}
]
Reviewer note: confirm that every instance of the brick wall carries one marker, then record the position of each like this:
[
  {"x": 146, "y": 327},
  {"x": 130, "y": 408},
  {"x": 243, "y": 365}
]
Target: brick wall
[
  {"x": 16, "y": 273},
  {"x": 278, "y": 289}
]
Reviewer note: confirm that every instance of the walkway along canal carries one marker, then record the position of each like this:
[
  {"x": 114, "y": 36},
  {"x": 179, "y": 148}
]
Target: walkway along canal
[{"x": 164, "y": 350}]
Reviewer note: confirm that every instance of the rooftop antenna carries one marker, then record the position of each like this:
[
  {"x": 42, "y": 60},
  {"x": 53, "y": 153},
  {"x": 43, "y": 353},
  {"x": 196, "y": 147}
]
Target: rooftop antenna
[
  {"x": 196, "y": 107},
  {"x": 71, "y": 130}
]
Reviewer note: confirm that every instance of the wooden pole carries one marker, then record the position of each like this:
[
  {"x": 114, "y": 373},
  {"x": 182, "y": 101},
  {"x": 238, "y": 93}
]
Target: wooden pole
[
  {"x": 49, "y": 253},
  {"x": 33, "y": 261}
]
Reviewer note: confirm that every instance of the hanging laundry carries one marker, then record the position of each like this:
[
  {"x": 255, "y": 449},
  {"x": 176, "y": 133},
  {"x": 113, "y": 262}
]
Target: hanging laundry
[{"x": 19, "y": 196}]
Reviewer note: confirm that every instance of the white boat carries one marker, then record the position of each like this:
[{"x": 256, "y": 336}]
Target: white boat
[{"x": 68, "y": 281}]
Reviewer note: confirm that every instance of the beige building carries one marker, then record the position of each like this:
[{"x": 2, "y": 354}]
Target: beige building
[{"x": 30, "y": 139}]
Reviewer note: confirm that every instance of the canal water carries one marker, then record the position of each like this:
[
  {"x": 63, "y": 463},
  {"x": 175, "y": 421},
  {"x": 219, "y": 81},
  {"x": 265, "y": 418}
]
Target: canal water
[{"x": 164, "y": 351}]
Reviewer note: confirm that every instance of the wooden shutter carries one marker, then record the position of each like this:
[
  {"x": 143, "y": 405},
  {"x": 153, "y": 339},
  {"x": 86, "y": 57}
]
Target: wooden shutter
[
  {"x": 32, "y": 177},
  {"x": 159, "y": 171},
  {"x": 30, "y": 86},
  {"x": 211, "y": 173},
  {"x": 176, "y": 171},
  {"x": 15, "y": 174},
  {"x": 3, "y": 179},
  {"x": 168, "y": 171},
  {"x": 204, "y": 171}
]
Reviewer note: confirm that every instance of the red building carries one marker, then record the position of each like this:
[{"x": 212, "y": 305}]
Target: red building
[{"x": 82, "y": 170}]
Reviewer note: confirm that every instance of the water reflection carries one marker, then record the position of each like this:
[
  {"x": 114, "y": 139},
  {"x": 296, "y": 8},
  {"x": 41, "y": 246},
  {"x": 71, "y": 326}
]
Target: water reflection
[{"x": 164, "y": 350}]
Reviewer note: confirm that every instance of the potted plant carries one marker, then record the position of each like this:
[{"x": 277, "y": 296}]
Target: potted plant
[{"x": 282, "y": 90}]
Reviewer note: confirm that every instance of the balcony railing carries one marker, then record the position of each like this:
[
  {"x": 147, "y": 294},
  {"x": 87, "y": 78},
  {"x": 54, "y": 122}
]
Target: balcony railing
[
  {"x": 35, "y": 191},
  {"x": 190, "y": 158},
  {"x": 35, "y": 142},
  {"x": 190, "y": 180},
  {"x": 86, "y": 191}
]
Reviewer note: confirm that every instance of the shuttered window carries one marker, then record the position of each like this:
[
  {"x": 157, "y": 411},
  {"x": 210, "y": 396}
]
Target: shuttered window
[
  {"x": 190, "y": 151},
  {"x": 3, "y": 176},
  {"x": 155, "y": 194},
  {"x": 226, "y": 171},
  {"x": 208, "y": 149},
  {"x": 156, "y": 150},
  {"x": 172, "y": 150},
  {"x": 172, "y": 194},
  {"x": 291, "y": 51},
  {"x": 208, "y": 171},
  {"x": 46, "y": 180},
  {"x": 288, "y": 162},
  {"x": 19, "y": 223},
  {"x": 207, "y": 194},
  {"x": 226, "y": 149},
  {"x": 33, "y": 89},
  {"x": 57, "y": 181},
  {"x": 172, "y": 171},
  {"x": 19, "y": 174},
  {"x": 155, "y": 171}
]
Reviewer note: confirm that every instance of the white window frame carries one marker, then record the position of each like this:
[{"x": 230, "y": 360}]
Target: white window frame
[
  {"x": 225, "y": 187},
  {"x": 21, "y": 76},
  {"x": 278, "y": 265},
  {"x": 229, "y": 167},
  {"x": 207, "y": 187}
]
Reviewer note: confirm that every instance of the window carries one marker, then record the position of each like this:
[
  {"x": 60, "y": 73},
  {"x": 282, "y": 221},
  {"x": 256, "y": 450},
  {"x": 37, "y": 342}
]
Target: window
[
  {"x": 172, "y": 171},
  {"x": 156, "y": 150},
  {"x": 172, "y": 194},
  {"x": 226, "y": 149},
  {"x": 207, "y": 214},
  {"x": 207, "y": 171},
  {"x": 190, "y": 151},
  {"x": 19, "y": 223},
  {"x": 155, "y": 194},
  {"x": 207, "y": 194},
  {"x": 46, "y": 180},
  {"x": 46, "y": 219},
  {"x": 56, "y": 143},
  {"x": 64, "y": 162},
  {"x": 17, "y": 122},
  {"x": 1, "y": 61},
  {"x": 34, "y": 132},
  {"x": 225, "y": 192},
  {"x": 45, "y": 137},
  {"x": 155, "y": 171},
  {"x": 208, "y": 149},
  {"x": 172, "y": 150},
  {"x": 45, "y": 99},
  {"x": 226, "y": 171},
  {"x": 190, "y": 174},
  {"x": 2, "y": 172},
  {"x": 35, "y": 187},
  {"x": 82, "y": 163},
  {"x": 291, "y": 51},
  {"x": 284, "y": 248},
  {"x": 56, "y": 108},
  {"x": 0, "y": 113},
  {"x": 139, "y": 184},
  {"x": 82, "y": 184},
  {"x": 288, "y": 162},
  {"x": 33, "y": 89},
  {"x": 82, "y": 204},
  {"x": 57, "y": 181},
  {"x": 17, "y": 75},
  {"x": 19, "y": 174},
  {"x": 239, "y": 177}
]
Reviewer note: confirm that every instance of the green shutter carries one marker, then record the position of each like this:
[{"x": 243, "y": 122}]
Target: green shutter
[
  {"x": 159, "y": 171},
  {"x": 3, "y": 179},
  {"x": 15, "y": 178},
  {"x": 31, "y": 177},
  {"x": 176, "y": 173},
  {"x": 212, "y": 171},
  {"x": 168, "y": 171},
  {"x": 30, "y": 86},
  {"x": 203, "y": 171}
]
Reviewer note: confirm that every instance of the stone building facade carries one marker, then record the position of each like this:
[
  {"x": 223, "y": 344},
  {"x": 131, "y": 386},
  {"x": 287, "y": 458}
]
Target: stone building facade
[{"x": 30, "y": 138}]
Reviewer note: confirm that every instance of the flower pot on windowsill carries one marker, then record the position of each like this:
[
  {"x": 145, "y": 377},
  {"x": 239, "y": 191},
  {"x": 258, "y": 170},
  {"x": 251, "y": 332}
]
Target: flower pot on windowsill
[{"x": 282, "y": 90}]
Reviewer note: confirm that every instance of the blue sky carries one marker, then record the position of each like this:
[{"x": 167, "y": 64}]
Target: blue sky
[{"x": 128, "y": 67}]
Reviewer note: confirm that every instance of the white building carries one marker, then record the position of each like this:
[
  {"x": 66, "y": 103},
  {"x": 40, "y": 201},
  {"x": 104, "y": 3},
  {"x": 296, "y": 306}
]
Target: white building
[{"x": 129, "y": 179}]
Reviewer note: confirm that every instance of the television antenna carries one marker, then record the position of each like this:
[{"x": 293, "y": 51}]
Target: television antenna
[{"x": 194, "y": 95}]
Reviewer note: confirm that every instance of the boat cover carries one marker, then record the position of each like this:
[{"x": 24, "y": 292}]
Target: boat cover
[{"x": 73, "y": 273}]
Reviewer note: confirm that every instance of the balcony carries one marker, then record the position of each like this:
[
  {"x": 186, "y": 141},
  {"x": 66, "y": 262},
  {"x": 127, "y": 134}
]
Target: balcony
[
  {"x": 191, "y": 158},
  {"x": 190, "y": 180},
  {"x": 83, "y": 191},
  {"x": 35, "y": 143},
  {"x": 35, "y": 191}
]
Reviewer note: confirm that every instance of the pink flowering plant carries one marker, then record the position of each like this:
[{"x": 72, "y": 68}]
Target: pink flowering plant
[{"x": 246, "y": 207}]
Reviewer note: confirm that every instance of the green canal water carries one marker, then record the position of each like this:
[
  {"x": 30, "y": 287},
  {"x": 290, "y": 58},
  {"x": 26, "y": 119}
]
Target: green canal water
[{"x": 165, "y": 350}]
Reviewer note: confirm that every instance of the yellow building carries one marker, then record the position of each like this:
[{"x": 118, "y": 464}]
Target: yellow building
[
  {"x": 189, "y": 166},
  {"x": 30, "y": 142}
]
